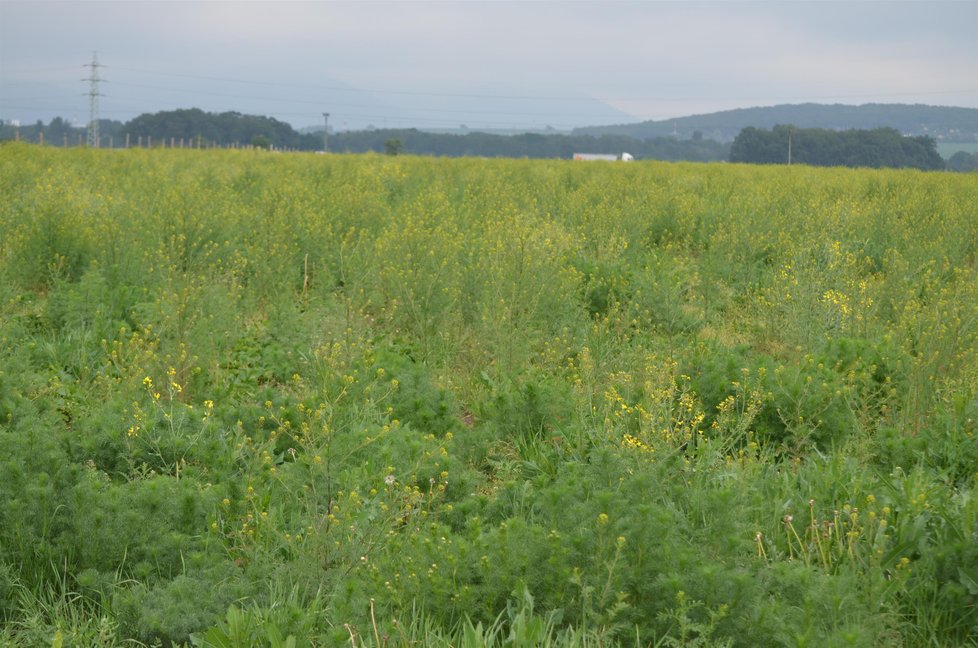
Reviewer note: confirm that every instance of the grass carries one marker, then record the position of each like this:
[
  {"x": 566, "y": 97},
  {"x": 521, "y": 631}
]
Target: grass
[{"x": 261, "y": 399}]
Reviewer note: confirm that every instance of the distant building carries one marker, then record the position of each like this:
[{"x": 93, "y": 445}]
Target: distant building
[{"x": 606, "y": 157}]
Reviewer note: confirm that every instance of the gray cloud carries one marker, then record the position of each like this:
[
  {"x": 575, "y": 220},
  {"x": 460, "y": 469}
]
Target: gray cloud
[{"x": 571, "y": 62}]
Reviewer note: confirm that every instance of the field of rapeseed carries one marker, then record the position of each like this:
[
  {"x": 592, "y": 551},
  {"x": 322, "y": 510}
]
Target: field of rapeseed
[{"x": 287, "y": 400}]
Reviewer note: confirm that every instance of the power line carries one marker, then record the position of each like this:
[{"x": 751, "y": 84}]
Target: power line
[
  {"x": 515, "y": 113},
  {"x": 356, "y": 89},
  {"x": 539, "y": 96}
]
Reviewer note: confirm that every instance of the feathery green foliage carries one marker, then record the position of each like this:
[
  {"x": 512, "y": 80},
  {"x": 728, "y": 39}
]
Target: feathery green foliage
[{"x": 260, "y": 399}]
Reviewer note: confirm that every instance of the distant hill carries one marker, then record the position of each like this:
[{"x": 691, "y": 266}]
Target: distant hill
[{"x": 943, "y": 123}]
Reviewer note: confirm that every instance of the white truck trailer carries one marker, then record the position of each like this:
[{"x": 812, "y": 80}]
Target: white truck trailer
[{"x": 607, "y": 157}]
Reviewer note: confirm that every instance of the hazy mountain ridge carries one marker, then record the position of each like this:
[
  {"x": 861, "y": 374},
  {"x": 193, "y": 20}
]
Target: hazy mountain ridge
[{"x": 944, "y": 123}]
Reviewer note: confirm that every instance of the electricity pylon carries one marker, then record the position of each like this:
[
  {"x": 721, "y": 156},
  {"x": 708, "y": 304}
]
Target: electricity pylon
[{"x": 93, "y": 95}]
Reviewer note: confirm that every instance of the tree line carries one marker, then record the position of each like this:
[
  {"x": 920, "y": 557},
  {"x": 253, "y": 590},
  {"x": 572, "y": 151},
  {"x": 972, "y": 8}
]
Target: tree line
[
  {"x": 875, "y": 148},
  {"x": 192, "y": 125},
  {"x": 879, "y": 147},
  {"x": 529, "y": 145},
  {"x": 196, "y": 127},
  {"x": 222, "y": 129}
]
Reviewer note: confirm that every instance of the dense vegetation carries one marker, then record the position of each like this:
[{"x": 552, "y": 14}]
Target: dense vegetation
[
  {"x": 963, "y": 161},
  {"x": 877, "y": 148},
  {"x": 222, "y": 129},
  {"x": 196, "y": 128},
  {"x": 254, "y": 399},
  {"x": 947, "y": 122},
  {"x": 530, "y": 145}
]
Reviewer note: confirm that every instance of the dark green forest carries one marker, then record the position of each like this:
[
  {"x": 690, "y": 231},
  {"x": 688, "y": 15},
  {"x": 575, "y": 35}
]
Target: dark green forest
[
  {"x": 876, "y": 148},
  {"x": 223, "y": 129}
]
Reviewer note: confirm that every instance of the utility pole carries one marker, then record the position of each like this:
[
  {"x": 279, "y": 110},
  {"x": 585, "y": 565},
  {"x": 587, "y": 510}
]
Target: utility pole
[
  {"x": 325, "y": 132},
  {"x": 93, "y": 95}
]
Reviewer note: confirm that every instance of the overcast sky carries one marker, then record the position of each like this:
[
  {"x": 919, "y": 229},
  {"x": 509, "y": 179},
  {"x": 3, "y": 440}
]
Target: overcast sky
[{"x": 484, "y": 64}]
